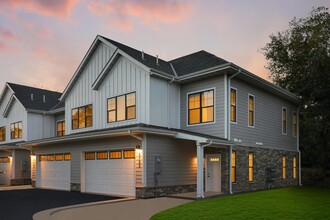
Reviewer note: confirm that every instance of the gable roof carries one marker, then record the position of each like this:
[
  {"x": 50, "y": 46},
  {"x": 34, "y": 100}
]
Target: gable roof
[
  {"x": 23, "y": 94},
  {"x": 195, "y": 62},
  {"x": 149, "y": 60}
]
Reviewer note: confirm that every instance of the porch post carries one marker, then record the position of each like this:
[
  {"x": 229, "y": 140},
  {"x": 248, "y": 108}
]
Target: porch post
[{"x": 200, "y": 174}]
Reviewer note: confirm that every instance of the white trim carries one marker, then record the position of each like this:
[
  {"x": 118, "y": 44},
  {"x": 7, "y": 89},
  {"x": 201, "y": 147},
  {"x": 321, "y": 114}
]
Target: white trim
[
  {"x": 226, "y": 127},
  {"x": 293, "y": 134},
  {"x": 144, "y": 163},
  {"x": 254, "y": 110},
  {"x": 286, "y": 120},
  {"x": 214, "y": 106},
  {"x": 235, "y": 122}
]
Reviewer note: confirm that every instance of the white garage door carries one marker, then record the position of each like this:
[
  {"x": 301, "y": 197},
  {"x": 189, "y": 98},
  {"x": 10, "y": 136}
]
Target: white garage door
[
  {"x": 110, "y": 172},
  {"x": 5, "y": 171},
  {"x": 53, "y": 171}
]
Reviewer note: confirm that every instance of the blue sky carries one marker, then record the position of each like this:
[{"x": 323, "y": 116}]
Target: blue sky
[{"x": 42, "y": 41}]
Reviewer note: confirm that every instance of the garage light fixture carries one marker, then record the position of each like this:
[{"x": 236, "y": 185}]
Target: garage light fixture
[{"x": 138, "y": 152}]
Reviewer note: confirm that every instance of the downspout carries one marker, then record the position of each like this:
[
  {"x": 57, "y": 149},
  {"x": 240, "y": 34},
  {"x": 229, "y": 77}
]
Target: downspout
[
  {"x": 299, "y": 154},
  {"x": 168, "y": 104},
  {"x": 134, "y": 136},
  {"x": 228, "y": 130}
]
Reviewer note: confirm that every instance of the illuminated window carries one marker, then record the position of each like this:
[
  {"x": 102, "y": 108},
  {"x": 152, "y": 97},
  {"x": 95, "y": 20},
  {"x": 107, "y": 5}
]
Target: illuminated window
[
  {"x": 4, "y": 160},
  {"x": 294, "y": 133},
  {"x": 82, "y": 117},
  {"x": 294, "y": 165},
  {"x": 233, "y": 105},
  {"x": 60, "y": 128},
  {"x": 129, "y": 154},
  {"x": 90, "y": 156},
  {"x": 16, "y": 130},
  {"x": 251, "y": 111},
  {"x": 115, "y": 154},
  {"x": 283, "y": 120},
  {"x": 50, "y": 157},
  {"x": 2, "y": 134},
  {"x": 201, "y": 107},
  {"x": 250, "y": 167},
  {"x": 59, "y": 157},
  {"x": 233, "y": 167},
  {"x": 122, "y": 108},
  {"x": 283, "y": 167},
  {"x": 67, "y": 156},
  {"x": 42, "y": 158},
  {"x": 102, "y": 155}
]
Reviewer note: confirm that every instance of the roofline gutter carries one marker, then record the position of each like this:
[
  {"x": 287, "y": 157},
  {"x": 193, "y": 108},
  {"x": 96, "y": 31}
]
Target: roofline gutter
[{"x": 204, "y": 72}]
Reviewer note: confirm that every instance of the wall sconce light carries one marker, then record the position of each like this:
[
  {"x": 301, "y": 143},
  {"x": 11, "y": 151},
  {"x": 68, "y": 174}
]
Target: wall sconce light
[
  {"x": 10, "y": 156},
  {"x": 138, "y": 152}
]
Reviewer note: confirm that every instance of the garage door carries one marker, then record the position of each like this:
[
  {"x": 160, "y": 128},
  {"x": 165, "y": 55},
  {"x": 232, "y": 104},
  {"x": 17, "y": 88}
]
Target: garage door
[
  {"x": 4, "y": 171},
  {"x": 53, "y": 171},
  {"x": 110, "y": 172}
]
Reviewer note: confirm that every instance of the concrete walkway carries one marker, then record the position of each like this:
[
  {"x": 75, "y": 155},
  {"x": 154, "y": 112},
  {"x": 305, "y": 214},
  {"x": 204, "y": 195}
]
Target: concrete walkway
[
  {"x": 4, "y": 188},
  {"x": 137, "y": 209}
]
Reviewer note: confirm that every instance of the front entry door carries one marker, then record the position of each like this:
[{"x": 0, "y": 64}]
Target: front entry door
[{"x": 213, "y": 172}]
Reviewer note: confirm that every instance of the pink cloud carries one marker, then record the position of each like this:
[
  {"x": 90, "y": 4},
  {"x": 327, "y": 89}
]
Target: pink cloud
[
  {"x": 45, "y": 34},
  {"x": 7, "y": 34},
  {"x": 40, "y": 51},
  {"x": 148, "y": 11},
  {"x": 57, "y": 8}
]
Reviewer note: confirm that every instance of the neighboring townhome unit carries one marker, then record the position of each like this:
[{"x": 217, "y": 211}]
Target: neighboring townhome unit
[
  {"x": 26, "y": 114},
  {"x": 137, "y": 125}
]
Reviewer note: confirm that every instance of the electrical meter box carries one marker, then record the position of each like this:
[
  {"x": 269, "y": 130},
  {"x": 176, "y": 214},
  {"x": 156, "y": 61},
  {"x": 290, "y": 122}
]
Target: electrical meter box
[{"x": 158, "y": 162}]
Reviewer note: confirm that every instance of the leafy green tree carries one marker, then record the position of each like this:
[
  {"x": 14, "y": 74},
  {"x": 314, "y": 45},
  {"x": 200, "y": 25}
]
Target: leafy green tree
[{"x": 299, "y": 60}]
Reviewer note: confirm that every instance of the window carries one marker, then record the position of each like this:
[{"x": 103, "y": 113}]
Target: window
[
  {"x": 2, "y": 134},
  {"x": 67, "y": 156},
  {"x": 60, "y": 128},
  {"x": 129, "y": 154},
  {"x": 82, "y": 117},
  {"x": 250, "y": 167},
  {"x": 16, "y": 130},
  {"x": 233, "y": 105},
  {"x": 251, "y": 111},
  {"x": 294, "y": 132},
  {"x": 58, "y": 157},
  {"x": 4, "y": 160},
  {"x": 122, "y": 108},
  {"x": 283, "y": 167},
  {"x": 102, "y": 155},
  {"x": 233, "y": 167},
  {"x": 115, "y": 154},
  {"x": 90, "y": 156},
  {"x": 201, "y": 107},
  {"x": 294, "y": 166},
  {"x": 283, "y": 120},
  {"x": 50, "y": 157},
  {"x": 42, "y": 158}
]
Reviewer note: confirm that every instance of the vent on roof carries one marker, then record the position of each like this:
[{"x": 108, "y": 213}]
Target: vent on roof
[
  {"x": 157, "y": 60},
  {"x": 32, "y": 96},
  {"x": 142, "y": 55},
  {"x": 44, "y": 98}
]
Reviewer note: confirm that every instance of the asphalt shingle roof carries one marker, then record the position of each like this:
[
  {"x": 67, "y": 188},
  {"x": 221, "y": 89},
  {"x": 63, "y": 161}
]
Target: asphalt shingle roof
[
  {"x": 149, "y": 61},
  {"x": 23, "y": 94},
  {"x": 194, "y": 62}
]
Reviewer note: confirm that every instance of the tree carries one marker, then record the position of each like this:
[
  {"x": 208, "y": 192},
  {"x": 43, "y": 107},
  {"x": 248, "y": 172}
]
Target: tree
[{"x": 299, "y": 61}]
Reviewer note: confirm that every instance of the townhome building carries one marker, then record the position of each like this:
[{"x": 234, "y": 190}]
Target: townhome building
[
  {"x": 26, "y": 114},
  {"x": 137, "y": 125}
]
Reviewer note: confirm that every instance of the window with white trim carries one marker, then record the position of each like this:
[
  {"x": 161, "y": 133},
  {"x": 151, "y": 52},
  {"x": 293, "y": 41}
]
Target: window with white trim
[
  {"x": 283, "y": 120},
  {"x": 251, "y": 116},
  {"x": 233, "y": 110},
  {"x": 2, "y": 134},
  {"x": 122, "y": 107},
  {"x": 294, "y": 124}
]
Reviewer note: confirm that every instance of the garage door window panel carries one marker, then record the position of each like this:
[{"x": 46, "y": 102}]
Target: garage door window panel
[
  {"x": 42, "y": 158},
  {"x": 129, "y": 154},
  {"x": 102, "y": 155},
  {"x": 59, "y": 157},
  {"x": 90, "y": 156},
  {"x": 67, "y": 156},
  {"x": 115, "y": 154},
  {"x": 50, "y": 157}
]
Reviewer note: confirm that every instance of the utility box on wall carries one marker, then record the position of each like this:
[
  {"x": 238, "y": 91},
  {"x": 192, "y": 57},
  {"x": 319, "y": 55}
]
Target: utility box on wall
[{"x": 158, "y": 162}]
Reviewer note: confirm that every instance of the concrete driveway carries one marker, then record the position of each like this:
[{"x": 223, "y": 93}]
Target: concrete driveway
[
  {"x": 22, "y": 204},
  {"x": 137, "y": 209}
]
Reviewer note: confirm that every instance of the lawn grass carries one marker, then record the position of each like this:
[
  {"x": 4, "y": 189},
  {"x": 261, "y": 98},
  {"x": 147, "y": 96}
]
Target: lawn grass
[{"x": 286, "y": 203}]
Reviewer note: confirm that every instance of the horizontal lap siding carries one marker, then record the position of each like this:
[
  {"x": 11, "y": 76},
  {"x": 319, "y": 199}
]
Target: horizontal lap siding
[
  {"x": 268, "y": 119},
  {"x": 77, "y": 148},
  {"x": 217, "y": 128},
  {"x": 178, "y": 161}
]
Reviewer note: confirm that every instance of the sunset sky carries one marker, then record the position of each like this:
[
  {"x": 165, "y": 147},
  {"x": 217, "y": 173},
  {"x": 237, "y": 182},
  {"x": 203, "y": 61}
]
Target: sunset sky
[{"x": 43, "y": 41}]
